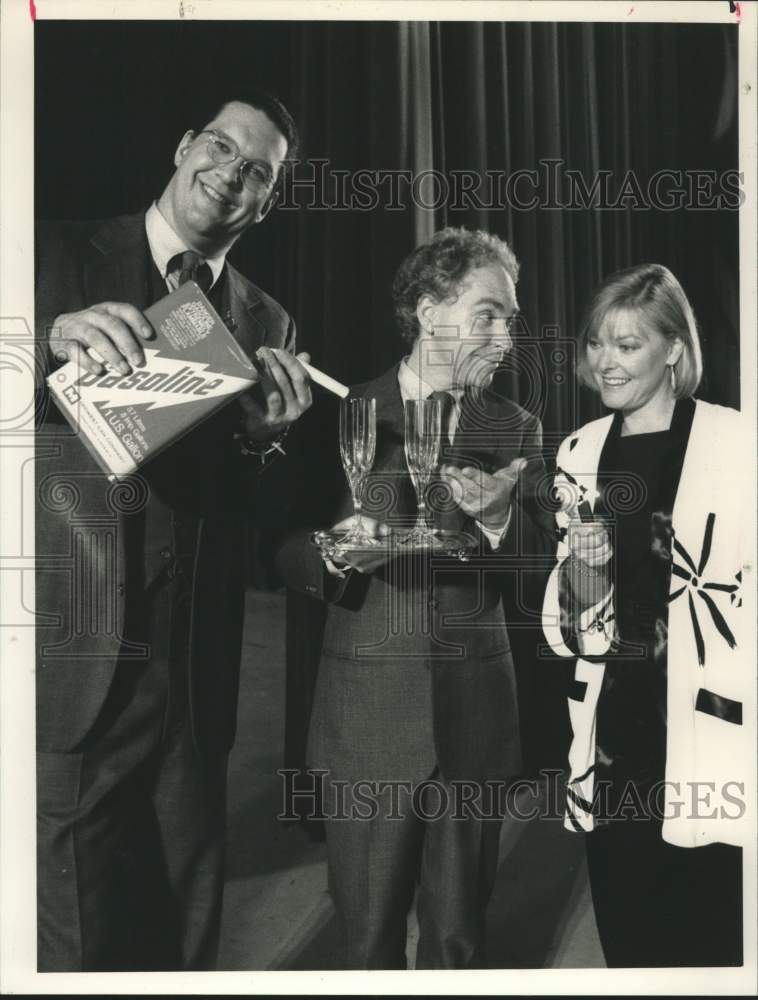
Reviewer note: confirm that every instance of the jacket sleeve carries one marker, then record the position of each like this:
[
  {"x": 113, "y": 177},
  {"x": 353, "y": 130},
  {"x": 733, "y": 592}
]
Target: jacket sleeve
[
  {"x": 574, "y": 624},
  {"x": 57, "y": 286},
  {"x": 527, "y": 549},
  {"x": 531, "y": 532}
]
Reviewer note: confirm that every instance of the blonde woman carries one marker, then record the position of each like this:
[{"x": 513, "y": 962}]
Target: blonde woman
[{"x": 645, "y": 596}]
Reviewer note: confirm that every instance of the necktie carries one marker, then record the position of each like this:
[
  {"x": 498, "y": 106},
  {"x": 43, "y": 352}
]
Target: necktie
[
  {"x": 444, "y": 511},
  {"x": 190, "y": 266},
  {"x": 447, "y": 409}
]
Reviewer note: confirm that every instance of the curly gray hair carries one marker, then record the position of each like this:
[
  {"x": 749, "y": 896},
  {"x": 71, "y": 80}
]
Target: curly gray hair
[{"x": 438, "y": 267}]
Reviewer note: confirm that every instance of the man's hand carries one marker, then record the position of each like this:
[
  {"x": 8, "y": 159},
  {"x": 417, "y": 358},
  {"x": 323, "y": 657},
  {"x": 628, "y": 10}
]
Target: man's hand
[
  {"x": 483, "y": 496},
  {"x": 286, "y": 395},
  {"x": 365, "y": 561},
  {"x": 115, "y": 330}
]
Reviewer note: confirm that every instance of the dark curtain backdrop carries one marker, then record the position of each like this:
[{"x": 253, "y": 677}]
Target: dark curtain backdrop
[{"x": 113, "y": 99}]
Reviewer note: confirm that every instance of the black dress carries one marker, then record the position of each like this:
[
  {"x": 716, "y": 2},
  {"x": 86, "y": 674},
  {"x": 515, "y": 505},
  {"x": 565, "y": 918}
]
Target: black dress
[{"x": 655, "y": 904}]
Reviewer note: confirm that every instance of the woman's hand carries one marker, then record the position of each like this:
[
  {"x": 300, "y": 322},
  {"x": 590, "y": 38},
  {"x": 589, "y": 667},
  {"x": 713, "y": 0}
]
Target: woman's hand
[
  {"x": 588, "y": 565},
  {"x": 589, "y": 543}
]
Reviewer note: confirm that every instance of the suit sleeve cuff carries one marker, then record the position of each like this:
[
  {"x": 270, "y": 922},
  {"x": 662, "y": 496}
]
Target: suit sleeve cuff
[{"x": 495, "y": 536}]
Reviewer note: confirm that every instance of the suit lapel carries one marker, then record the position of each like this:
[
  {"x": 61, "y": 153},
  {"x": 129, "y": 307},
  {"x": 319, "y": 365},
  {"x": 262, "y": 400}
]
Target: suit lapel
[
  {"x": 245, "y": 306},
  {"x": 118, "y": 268},
  {"x": 482, "y": 437},
  {"x": 390, "y": 428}
]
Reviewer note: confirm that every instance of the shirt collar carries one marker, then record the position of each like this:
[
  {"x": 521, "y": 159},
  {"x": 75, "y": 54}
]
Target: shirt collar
[
  {"x": 413, "y": 386},
  {"x": 164, "y": 244}
]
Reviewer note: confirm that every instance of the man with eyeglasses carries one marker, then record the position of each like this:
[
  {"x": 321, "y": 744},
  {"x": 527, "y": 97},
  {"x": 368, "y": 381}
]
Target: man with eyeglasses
[{"x": 140, "y": 587}]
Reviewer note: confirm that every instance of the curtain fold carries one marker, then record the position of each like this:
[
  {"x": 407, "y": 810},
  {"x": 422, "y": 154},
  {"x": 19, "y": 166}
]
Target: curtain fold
[{"x": 419, "y": 101}]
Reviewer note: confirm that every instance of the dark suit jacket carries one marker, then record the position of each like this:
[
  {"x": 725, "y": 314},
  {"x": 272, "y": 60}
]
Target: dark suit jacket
[
  {"x": 86, "y": 564},
  {"x": 415, "y": 667}
]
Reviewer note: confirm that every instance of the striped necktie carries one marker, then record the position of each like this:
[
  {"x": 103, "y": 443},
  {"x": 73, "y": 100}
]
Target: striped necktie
[
  {"x": 447, "y": 408},
  {"x": 445, "y": 512},
  {"x": 190, "y": 266}
]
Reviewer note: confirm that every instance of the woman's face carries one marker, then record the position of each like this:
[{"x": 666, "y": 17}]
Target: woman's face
[{"x": 629, "y": 362}]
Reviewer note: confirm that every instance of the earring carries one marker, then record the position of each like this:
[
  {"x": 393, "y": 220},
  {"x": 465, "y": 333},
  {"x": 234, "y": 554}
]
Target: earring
[{"x": 673, "y": 379}]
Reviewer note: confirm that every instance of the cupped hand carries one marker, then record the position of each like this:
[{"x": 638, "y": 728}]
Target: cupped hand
[{"x": 482, "y": 495}]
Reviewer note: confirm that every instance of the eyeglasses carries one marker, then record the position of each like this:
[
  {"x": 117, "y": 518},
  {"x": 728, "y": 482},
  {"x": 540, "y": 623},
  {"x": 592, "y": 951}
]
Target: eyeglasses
[{"x": 222, "y": 150}]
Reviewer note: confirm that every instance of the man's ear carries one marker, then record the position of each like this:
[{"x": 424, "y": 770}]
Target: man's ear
[
  {"x": 183, "y": 147},
  {"x": 268, "y": 205},
  {"x": 426, "y": 311}
]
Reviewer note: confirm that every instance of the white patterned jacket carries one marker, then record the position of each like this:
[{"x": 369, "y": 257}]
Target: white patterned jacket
[{"x": 711, "y": 686}]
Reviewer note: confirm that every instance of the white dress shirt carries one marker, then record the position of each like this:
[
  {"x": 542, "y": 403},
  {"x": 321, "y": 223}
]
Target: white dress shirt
[{"x": 164, "y": 244}]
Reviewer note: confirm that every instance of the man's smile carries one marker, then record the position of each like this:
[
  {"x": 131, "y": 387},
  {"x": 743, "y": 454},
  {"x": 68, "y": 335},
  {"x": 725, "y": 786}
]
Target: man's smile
[{"x": 216, "y": 196}]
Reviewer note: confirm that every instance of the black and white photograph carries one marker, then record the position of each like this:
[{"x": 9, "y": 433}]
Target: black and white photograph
[{"x": 379, "y": 504}]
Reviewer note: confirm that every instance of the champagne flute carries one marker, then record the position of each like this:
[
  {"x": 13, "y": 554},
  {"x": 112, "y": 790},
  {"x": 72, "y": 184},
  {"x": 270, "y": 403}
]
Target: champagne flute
[
  {"x": 423, "y": 419},
  {"x": 357, "y": 448}
]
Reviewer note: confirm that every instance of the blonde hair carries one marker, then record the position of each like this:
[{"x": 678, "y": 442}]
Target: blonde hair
[{"x": 652, "y": 293}]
